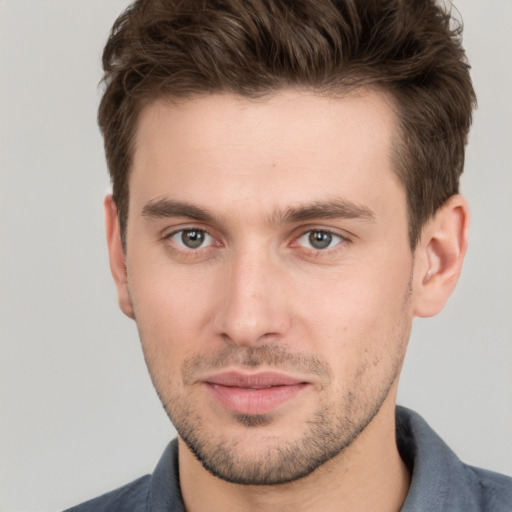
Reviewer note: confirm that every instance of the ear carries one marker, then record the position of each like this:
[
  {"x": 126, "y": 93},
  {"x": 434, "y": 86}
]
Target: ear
[
  {"x": 117, "y": 256},
  {"x": 439, "y": 256}
]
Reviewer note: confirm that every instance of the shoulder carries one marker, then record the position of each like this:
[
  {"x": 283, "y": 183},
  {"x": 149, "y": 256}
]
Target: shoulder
[
  {"x": 440, "y": 481},
  {"x": 158, "y": 491},
  {"x": 131, "y": 497},
  {"x": 494, "y": 489}
]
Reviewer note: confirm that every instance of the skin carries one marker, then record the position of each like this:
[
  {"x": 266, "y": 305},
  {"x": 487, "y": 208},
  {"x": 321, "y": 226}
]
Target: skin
[{"x": 255, "y": 179}]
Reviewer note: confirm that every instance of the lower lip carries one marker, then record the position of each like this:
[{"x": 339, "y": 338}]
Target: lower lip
[{"x": 253, "y": 401}]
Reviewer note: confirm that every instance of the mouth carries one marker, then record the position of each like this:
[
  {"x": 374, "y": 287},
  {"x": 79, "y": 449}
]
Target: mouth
[{"x": 253, "y": 394}]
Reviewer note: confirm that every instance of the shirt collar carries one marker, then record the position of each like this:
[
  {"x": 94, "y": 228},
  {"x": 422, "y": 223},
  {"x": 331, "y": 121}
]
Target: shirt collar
[{"x": 440, "y": 481}]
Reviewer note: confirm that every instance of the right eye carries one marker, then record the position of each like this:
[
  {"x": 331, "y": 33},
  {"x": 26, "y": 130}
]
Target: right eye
[{"x": 192, "y": 239}]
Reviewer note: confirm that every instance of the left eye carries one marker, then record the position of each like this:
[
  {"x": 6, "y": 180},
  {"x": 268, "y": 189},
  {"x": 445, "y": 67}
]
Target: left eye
[
  {"x": 319, "y": 240},
  {"x": 192, "y": 238}
]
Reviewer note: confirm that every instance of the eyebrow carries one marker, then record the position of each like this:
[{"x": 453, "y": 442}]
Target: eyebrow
[
  {"x": 168, "y": 208},
  {"x": 333, "y": 209}
]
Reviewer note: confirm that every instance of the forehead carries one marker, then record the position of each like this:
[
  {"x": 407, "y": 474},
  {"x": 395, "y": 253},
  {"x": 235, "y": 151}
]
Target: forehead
[{"x": 291, "y": 146}]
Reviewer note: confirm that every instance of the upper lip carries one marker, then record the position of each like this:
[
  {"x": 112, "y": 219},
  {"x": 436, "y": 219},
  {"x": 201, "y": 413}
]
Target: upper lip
[{"x": 252, "y": 380}]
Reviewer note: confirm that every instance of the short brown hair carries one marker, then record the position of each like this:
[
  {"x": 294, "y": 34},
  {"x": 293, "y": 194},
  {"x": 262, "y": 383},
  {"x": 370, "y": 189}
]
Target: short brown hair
[{"x": 410, "y": 48}]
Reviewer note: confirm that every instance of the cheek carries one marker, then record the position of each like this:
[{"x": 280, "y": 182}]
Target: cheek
[
  {"x": 171, "y": 310},
  {"x": 165, "y": 290},
  {"x": 166, "y": 318},
  {"x": 360, "y": 319}
]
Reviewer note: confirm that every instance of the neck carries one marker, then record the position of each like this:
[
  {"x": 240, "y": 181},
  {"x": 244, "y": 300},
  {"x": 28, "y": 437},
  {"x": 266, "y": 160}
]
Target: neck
[{"x": 368, "y": 475}]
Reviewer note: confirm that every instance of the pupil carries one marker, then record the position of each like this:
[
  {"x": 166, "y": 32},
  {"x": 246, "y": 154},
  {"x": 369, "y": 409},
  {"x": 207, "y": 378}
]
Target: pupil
[
  {"x": 192, "y": 239},
  {"x": 320, "y": 239}
]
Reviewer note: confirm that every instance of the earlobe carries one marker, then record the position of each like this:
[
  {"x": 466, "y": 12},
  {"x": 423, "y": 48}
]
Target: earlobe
[
  {"x": 117, "y": 256},
  {"x": 439, "y": 256}
]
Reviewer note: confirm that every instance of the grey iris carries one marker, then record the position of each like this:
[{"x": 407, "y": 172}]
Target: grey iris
[
  {"x": 320, "y": 239},
  {"x": 192, "y": 238}
]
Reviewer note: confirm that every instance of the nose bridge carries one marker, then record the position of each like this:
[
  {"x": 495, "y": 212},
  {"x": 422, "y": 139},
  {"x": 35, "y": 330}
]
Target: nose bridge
[{"x": 253, "y": 304}]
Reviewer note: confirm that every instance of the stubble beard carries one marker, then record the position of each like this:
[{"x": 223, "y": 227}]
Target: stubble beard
[
  {"x": 285, "y": 461},
  {"x": 328, "y": 432},
  {"x": 333, "y": 427}
]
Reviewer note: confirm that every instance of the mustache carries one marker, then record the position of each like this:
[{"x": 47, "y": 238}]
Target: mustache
[{"x": 273, "y": 356}]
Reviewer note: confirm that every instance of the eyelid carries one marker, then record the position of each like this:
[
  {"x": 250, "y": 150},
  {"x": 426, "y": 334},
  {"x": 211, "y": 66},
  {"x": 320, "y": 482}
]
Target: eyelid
[
  {"x": 335, "y": 237},
  {"x": 167, "y": 236},
  {"x": 208, "y": 239},
  {"x": 344, "y": 238},
  {"x": 170, "y": 231}
]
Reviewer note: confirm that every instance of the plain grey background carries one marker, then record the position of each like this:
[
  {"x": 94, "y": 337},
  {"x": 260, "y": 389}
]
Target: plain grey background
[{"x": 78, "y": 412}]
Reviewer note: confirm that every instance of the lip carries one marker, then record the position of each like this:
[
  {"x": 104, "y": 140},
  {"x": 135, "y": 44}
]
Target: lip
[{"x": 253, "y": 394}]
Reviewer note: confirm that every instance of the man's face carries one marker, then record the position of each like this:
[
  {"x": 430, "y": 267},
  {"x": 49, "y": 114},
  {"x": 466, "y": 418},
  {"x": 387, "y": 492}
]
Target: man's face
[{"x": 269, "y": 270}]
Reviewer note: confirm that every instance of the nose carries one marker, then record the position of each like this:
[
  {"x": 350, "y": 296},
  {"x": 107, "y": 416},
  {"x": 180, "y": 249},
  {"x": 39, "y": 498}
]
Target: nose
[{"x": 253, "y": 306}]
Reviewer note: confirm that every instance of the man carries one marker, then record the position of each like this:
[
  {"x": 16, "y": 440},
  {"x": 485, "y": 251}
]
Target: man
[{"x": 285, "y": 202}]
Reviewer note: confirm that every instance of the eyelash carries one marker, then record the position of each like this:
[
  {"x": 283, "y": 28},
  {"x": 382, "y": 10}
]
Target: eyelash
[
  {"x": 331, "y": 234},
  {"x": 343, "y": 240},
  {"x": 185, "y": 252}
]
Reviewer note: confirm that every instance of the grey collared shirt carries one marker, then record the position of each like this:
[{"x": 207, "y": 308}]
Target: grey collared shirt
[{"x": 440, "y": 481}]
